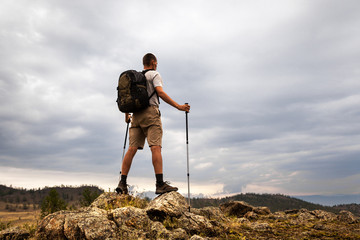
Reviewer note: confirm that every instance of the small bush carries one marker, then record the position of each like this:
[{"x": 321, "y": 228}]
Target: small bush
[
  {"x": 31, "y": 228},
  {"x": 4, "y": 225},
  {"x": 52, "y": 203},
  {"x": 88, "y": 197}
]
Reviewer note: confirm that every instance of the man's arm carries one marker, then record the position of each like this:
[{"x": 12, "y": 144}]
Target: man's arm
[{"x": 162, "y": 94}]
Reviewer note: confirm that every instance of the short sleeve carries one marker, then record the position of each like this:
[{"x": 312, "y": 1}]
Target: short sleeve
[{"x": 157, "y": 80}]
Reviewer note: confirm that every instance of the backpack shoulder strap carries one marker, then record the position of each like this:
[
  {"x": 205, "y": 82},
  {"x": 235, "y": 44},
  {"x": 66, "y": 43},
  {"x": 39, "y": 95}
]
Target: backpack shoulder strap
[
  {"x": 146, "y": 70},
  {"x": 154, "y": 92}
]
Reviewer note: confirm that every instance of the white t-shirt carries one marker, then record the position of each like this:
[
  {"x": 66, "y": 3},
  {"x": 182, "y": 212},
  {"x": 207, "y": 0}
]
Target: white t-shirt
[{"x": 154, "y": 80}]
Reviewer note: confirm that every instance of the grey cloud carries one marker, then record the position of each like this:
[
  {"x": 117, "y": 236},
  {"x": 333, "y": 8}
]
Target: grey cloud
[{"x": 273, "y": 93}]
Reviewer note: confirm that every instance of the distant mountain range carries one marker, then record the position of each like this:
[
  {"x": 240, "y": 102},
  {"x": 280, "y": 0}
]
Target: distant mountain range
[
  {"x": 331, "y": 200},
  {"x": 275, "y": 202}
]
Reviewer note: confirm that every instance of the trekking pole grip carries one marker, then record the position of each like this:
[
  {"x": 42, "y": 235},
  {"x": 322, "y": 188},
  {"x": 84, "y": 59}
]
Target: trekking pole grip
[{"x": 187, "y": 125}]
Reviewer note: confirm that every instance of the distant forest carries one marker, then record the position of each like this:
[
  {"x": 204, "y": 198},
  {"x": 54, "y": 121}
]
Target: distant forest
[{"x": 17, "y": 199}]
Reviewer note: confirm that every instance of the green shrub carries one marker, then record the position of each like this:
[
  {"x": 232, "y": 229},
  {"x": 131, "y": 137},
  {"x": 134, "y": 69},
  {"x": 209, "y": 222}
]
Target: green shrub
[
  {"x": 52, "y": 203},
  {"x": 88, "y": 197}
]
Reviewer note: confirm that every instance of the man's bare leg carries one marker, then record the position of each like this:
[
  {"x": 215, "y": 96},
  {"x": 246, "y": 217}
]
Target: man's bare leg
[
  {"x": 125, "y": 168},
  {"x": 161, "y": 186},
  {"x": 157, "y": 159},
  {"x": 126, "y": 164}
]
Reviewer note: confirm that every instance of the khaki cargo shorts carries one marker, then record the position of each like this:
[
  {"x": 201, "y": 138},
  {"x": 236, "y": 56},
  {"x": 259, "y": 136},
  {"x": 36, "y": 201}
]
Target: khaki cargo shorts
[{"x": 146, "y": 124}]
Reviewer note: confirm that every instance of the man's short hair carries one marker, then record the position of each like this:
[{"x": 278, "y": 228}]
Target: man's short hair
[{"x": 148, "y": 58}]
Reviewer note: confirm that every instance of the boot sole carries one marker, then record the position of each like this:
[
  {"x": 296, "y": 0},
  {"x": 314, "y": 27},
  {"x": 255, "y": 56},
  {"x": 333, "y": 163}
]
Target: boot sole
[
  {"x": 119, "y": 191},
  {"x": 162, "y": 192}
]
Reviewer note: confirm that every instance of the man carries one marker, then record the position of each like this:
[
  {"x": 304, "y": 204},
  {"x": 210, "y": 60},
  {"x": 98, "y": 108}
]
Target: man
[{"x": 147, "y": 124}]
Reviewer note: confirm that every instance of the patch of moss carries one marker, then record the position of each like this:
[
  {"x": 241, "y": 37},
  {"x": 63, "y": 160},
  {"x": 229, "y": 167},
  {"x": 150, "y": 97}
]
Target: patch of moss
[
  {"x": 126, "y": 201},
  {"x": 170, "y": 223}
]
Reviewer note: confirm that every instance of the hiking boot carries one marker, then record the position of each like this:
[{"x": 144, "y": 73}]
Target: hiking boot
[
  {"x": 122, "y": 188},
  {"x": 164, "y": 188}
]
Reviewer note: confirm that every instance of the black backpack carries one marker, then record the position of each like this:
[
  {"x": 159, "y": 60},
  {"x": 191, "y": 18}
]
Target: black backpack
[{"x": 132, "y": 91}]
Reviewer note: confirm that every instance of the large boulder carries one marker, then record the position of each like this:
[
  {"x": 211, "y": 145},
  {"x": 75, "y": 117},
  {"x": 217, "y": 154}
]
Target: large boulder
[
  {"x": 240, "y": 209},
  {"x": 236, "y": 208},
  {"x": 212, "y": 213},
  {"x": 131, "y": 217},
  {"x": 171, "y": 204},
  {"x": 90, "y": 223},
  {"x": 323, "y": 215},
  {"x": 52, "y": 226},
  {"x": 347, "y": 217},
  {"x": 196, "y": 224},
  {"x": 14, "y": 233},
  {"x": 107, "y": 200}
]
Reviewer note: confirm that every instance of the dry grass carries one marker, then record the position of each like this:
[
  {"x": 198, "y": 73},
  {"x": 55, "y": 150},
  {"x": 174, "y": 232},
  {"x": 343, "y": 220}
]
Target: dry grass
[
  {"x": 20, "y": 218},
  {"x": 126, "y": 201}
]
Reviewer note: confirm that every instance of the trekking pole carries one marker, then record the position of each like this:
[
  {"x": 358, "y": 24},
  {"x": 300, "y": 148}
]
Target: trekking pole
[
  {"x": 187, "y": 155},
  {"x": 127, "y": 129}
]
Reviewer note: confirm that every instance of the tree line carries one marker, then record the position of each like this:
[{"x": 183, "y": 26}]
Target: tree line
[
  {"x": 53, "y": 202},
  {"x": 47, "y": 199}
]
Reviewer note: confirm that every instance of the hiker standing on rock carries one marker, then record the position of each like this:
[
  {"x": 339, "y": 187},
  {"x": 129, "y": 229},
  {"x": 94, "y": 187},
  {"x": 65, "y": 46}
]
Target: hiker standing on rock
[{"x": 147, "y": 124}]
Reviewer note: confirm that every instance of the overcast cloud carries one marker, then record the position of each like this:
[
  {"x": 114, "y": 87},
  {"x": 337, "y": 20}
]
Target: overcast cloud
[{"x": 273, "y": 86}]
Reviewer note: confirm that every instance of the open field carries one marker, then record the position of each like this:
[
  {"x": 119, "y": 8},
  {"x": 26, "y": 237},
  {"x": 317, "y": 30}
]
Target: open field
[{"x": 20, "y": 218}]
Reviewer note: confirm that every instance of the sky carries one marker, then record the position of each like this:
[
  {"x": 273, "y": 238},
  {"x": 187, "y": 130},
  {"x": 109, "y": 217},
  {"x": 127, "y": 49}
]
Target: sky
[{"x": 273, "y": 86}]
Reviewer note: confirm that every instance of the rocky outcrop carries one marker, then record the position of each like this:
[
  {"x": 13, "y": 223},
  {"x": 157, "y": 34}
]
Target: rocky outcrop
[
  {"x": 108, "y": 217},
  {"x": 348, "y": 217},
  {"x": 91, "y": 223},
  {"x": 14, "y": 233},
  {"x": 113, "y": 216},
  {"x": 167, "y": 205}
]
